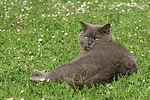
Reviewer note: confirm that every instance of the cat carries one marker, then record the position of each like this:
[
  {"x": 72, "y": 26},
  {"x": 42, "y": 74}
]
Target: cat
[{"x": 101, "y": 60}]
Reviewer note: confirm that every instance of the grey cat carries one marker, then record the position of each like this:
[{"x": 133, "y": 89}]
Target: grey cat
[{"x": 101, "y": 60}]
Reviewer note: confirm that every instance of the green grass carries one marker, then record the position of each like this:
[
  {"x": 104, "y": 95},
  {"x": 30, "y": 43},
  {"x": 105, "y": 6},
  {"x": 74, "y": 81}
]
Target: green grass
[{"x": 23, "y": 23}]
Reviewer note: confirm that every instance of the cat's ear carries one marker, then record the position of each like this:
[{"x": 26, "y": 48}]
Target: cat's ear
[
  {"x": 106, "y": 28},
  {"x": 84, "y": 26}
]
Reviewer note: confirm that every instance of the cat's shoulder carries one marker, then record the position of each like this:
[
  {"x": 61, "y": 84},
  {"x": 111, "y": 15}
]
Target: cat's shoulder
[{"x": 110, "y": 46}]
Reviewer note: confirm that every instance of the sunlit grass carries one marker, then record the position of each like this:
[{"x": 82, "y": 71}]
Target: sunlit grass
[{"x": 43, "y": 34}]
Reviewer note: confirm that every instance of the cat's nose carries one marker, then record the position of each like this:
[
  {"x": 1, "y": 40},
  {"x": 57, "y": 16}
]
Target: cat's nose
[{"x": 89, "y": 42}]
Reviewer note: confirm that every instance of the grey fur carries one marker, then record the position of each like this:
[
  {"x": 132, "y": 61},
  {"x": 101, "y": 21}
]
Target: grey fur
[{"x": 101, "y": 60}]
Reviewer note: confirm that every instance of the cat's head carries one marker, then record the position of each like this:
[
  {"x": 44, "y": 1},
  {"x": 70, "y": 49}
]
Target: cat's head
[{"x": 94, "y": 34}]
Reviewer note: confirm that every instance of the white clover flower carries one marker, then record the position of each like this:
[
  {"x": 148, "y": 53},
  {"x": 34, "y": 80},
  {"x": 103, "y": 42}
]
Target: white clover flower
[
  {"x": 53, "y": 37},
  {"x": 22, "y": 91},
  {"x": 30, "y": 52},
  {"x": 111, "y": 88},
  {"x": 64, "y": 18},
  {"x": 47, "y": 80},
  {"x": 131, "y": 51},
  {"x": 72, "y": 13},
  {"x": 44, "y": 15},
  {"x": 18, "y": 30},
  {"x": 96, "y": 1},
  {"x": 42, "y": 79},
  {"x": 88, "y": 2},
  {"x": 141, "y": 40},
  {"x": 108, "y": 84},
  {"x": 15, "y": 57},
  {"x": 40, "y": 40},
  {"x": 42, "y": 98},
  {"x": 22, "y": 99},
  {"x": 78, "y": 1},
  {"x": 128, "y": 10},
  {"x": 10, "y": 99},
  {"x": 122, "y": 10},
  {"x": 108, "y": 93},
  {"x": 148, "y": 88},
  {"x": 67, "y": 14},
  {"x": 32, "y": 57},
  {"x": 54, "y": 59},
  {"x": 66, "y": 34},
  {"x": 84, "y": 3},
  {"x": 22, "y": 9}
]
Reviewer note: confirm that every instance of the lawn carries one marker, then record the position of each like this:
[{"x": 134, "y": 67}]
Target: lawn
[{"x": 43, "y": 34}]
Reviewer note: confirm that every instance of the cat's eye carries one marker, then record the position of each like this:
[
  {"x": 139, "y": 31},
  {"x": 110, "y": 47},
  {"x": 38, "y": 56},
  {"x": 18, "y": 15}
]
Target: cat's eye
[
  {"x": 85, "y": 37},
  {"x": 97, "y": 38}
]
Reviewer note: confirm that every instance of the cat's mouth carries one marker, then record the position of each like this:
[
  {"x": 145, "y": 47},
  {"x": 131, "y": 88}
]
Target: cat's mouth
[{"x": 88, "y": 48}]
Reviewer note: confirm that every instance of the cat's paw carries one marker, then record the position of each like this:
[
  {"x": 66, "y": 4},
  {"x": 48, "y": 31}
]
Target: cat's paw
[
  {"x": 37, "y": 79},
  {"x": 36, "y": 73}
]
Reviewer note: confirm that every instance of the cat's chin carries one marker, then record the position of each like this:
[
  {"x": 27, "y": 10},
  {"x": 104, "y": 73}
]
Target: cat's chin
[{"x": 87, "y": 48}]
